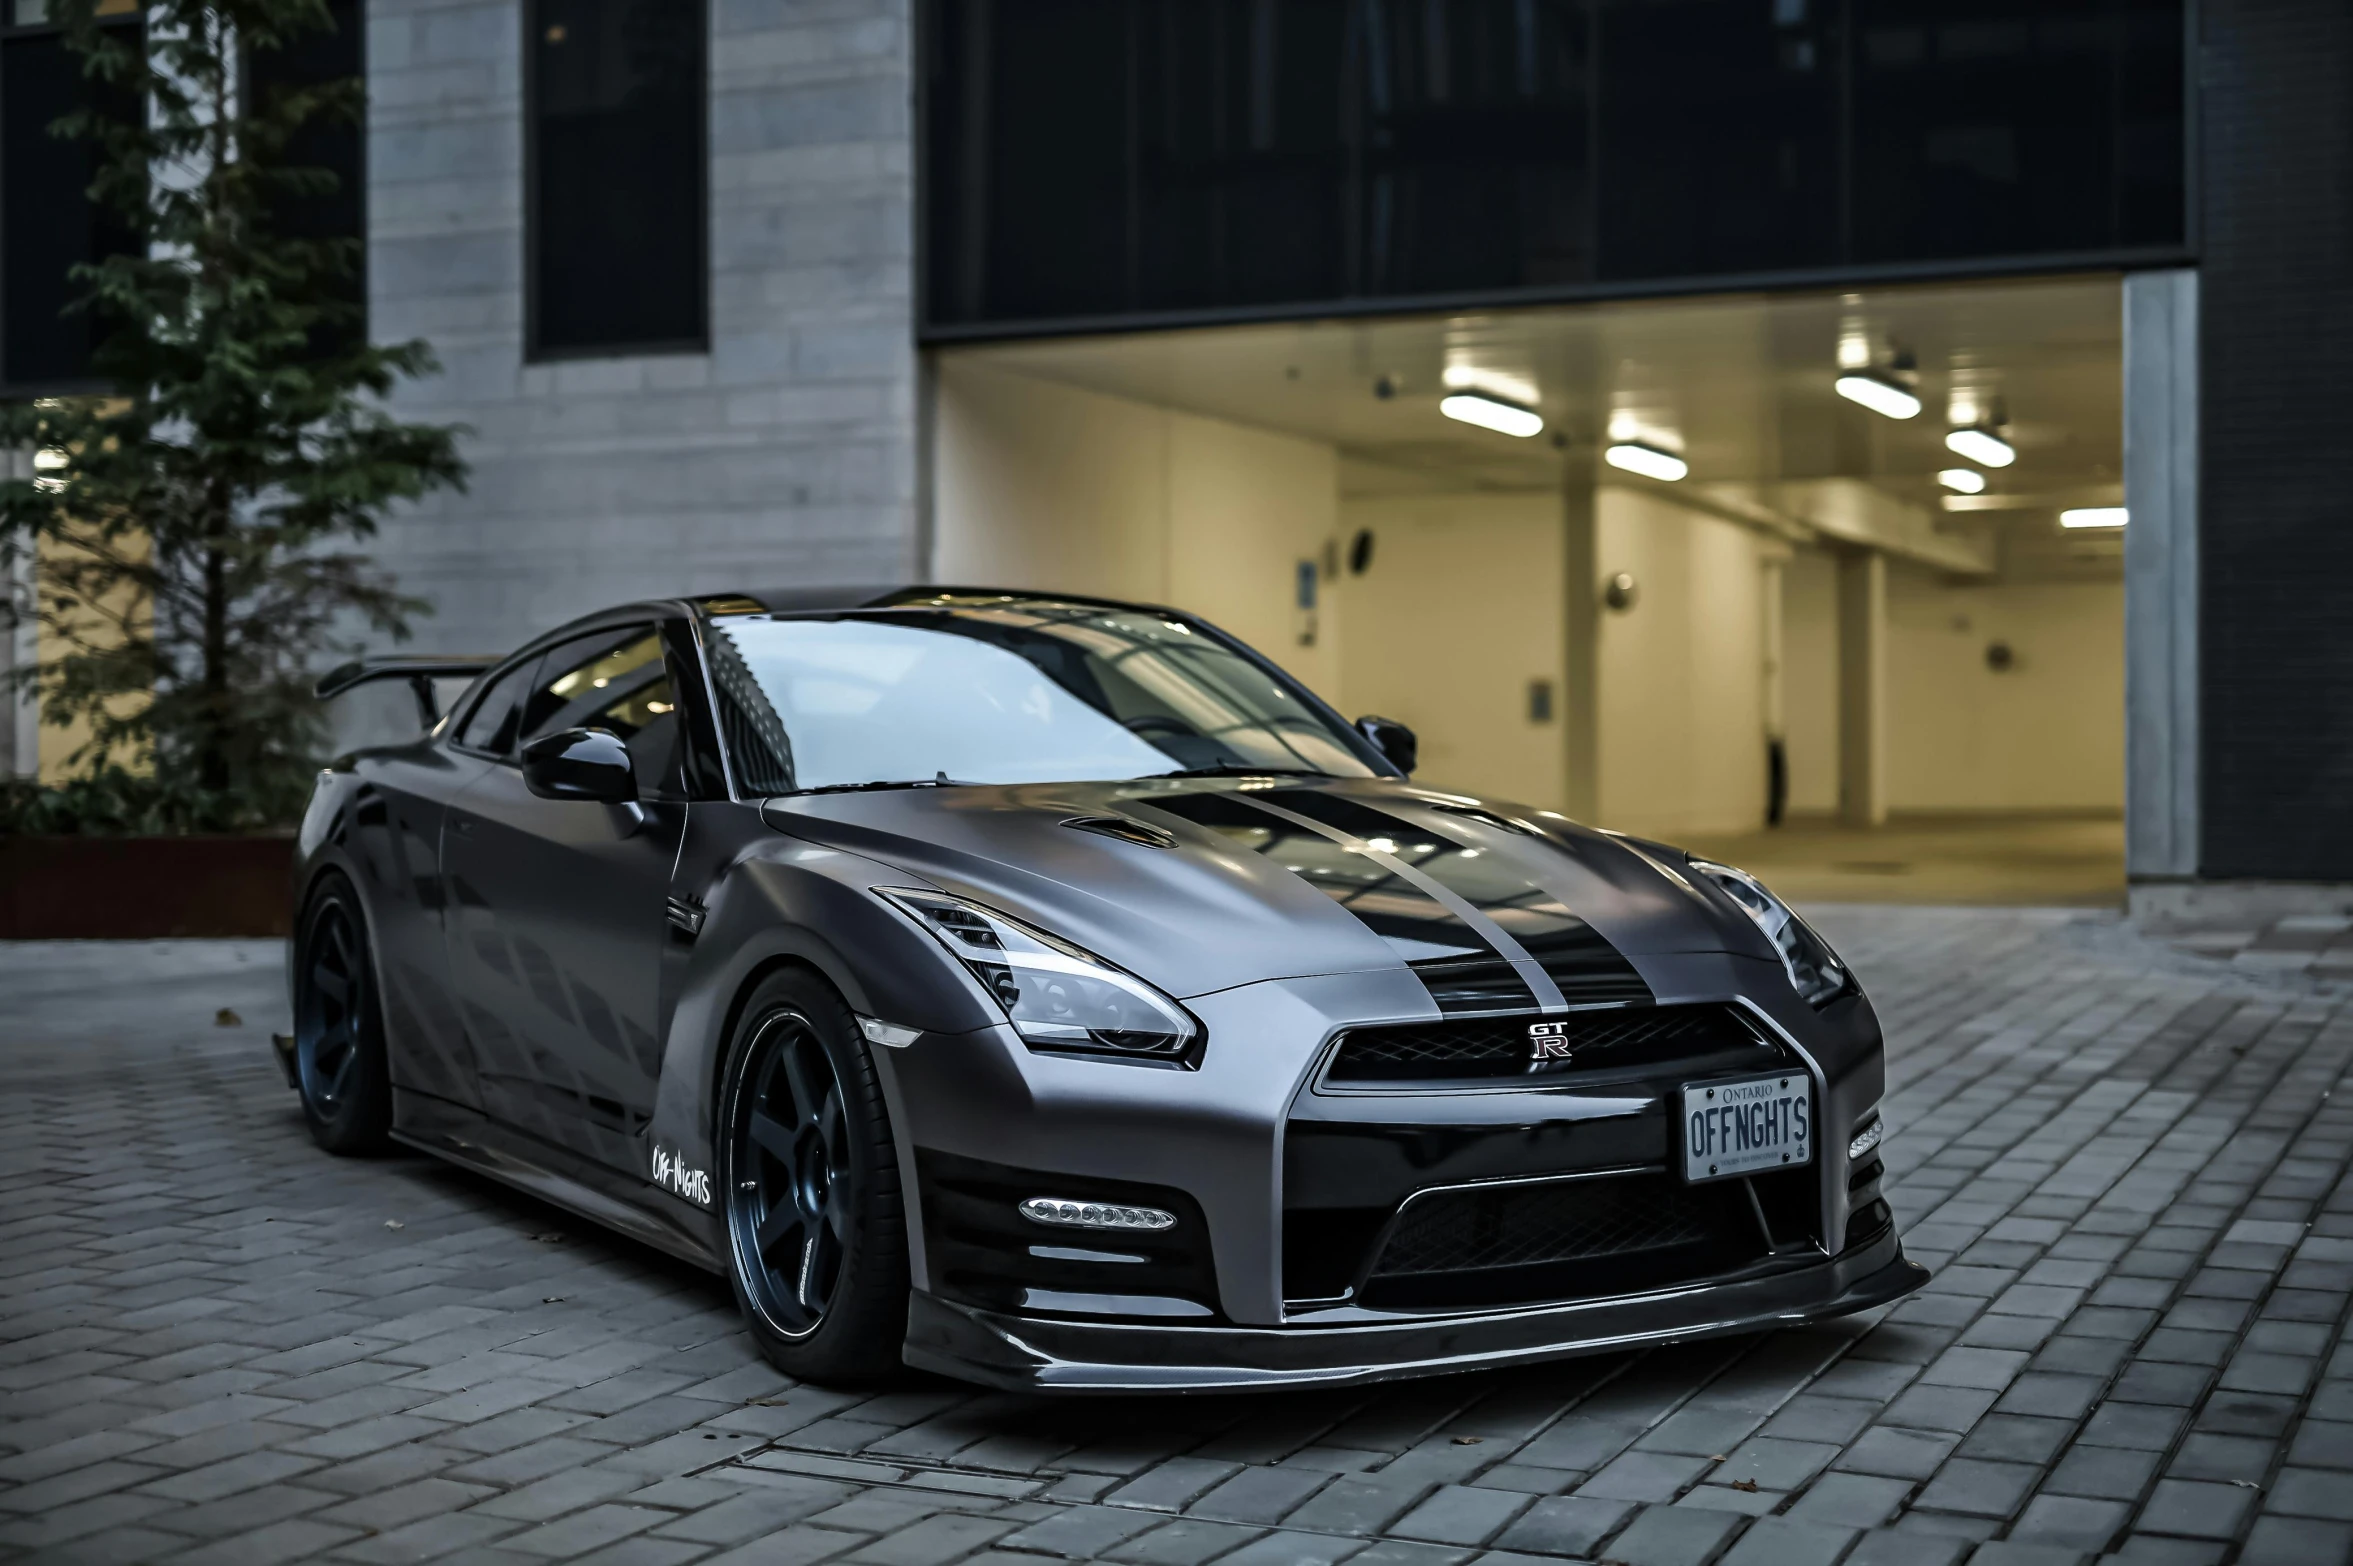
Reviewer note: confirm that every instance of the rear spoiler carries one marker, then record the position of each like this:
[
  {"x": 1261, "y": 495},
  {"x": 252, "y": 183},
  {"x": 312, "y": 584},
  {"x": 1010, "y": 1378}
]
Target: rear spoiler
[{"x": 420, "y": 673}]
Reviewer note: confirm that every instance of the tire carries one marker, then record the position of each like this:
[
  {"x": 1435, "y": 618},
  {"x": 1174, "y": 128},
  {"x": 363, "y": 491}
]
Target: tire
[
  {"x": 809, "y": 1188},
  {"x": 341, "y": 1072}
]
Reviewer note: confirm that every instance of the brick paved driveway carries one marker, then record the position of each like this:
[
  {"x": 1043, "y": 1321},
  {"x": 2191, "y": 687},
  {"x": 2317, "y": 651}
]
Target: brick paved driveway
[{"x": 217, "y": 1344}]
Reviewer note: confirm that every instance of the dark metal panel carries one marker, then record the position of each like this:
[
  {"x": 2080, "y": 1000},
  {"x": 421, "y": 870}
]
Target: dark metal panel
[{"x": 2276, "y": 533}]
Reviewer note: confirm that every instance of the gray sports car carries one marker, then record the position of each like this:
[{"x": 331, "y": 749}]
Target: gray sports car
[{"x": 1053, "y": 993}]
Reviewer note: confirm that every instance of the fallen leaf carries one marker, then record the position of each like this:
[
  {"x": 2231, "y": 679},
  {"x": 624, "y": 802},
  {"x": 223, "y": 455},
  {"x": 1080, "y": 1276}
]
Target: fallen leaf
[
  {"x": 1747, "y": 1485},
  {"x": 1718, "y": 1457},
  {"x": 394, "y": 1223},
  {"x": 225, "y": 1018},
  {"x": 1468, "y": 1440},
  {"x": 552, "y": 1299},
  {"x": 549, "y": 1239}
]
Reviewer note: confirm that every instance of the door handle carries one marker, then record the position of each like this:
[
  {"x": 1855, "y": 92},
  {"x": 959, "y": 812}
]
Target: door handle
[{"x": 462, "y": 825}]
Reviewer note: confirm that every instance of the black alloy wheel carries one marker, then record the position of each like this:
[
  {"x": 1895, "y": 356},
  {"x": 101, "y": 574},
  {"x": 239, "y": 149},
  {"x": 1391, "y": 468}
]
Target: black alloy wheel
[
  {"x": 339, "y": 1063},
  {"x": 809, "y": 1185}
]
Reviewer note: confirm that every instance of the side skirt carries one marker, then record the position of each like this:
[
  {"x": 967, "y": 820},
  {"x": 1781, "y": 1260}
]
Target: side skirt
[{"x": 472, "y": 1140}]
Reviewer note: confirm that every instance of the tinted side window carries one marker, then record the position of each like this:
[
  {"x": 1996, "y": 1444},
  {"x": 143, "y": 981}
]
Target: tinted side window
[
  {"x": 491, "y": 725},
  {"x": 614, "y": 679}
]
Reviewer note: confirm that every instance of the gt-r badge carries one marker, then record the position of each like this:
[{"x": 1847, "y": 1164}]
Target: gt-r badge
[
  {"x": 672, "y": 1175},
  {"x": 1548, "y": 1041}
]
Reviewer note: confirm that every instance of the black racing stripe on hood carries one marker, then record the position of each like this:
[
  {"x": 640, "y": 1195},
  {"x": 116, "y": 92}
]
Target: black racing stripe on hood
[
  {"x": 1460, "y": 970},
  {"x": 1588, "y": 969}
]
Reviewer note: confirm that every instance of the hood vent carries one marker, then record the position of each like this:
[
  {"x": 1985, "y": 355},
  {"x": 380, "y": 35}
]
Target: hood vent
[{"x": 1122, "y": 828}]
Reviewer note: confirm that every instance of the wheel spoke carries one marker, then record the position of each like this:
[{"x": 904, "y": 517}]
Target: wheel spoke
[
  {"x": 829, "y": 1132},
  {"x": 836, "y": 1216},
  {"x": 340, "y": 1072},
  {"x": 331, "y": 984},
  {"x": 775, "y": 1139},
  {"x": 806, "y": 1098},
  {"x": 783, "y": 1219}
]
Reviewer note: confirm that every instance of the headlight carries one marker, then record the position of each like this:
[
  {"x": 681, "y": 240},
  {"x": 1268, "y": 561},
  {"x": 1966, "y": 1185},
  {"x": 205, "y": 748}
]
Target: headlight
[
  {"x": 1814, "y": 969},
  {"x": 1059, "y": 999}
]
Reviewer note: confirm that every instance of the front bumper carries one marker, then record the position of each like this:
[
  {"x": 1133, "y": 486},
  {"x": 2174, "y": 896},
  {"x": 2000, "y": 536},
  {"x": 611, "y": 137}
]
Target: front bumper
[{"x": 1021, "y": 1353}]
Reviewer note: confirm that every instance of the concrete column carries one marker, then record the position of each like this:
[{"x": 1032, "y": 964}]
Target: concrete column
[
  {"x": 2161, "y": 574},
  {"x": 1580, "y": 706},
  {"x": 1862, "y": 688},
  {"x": 1772, "y": 661}
]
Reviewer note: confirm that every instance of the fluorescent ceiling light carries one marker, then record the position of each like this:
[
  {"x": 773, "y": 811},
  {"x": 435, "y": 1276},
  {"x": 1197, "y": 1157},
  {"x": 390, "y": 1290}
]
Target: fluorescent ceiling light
[
  {"x": 1878, "y": 394},
  {"x": 1490, "y": 413},
  {"x": 2094, "y": 516},
  {"x": 1967, "y": 480},
  {"x": 1982, "y": 446},
  {"x": 1648, "y": 461}
]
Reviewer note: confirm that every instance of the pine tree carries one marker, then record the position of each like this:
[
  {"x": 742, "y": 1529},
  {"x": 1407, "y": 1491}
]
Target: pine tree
[{"x": 192, "y": 530}]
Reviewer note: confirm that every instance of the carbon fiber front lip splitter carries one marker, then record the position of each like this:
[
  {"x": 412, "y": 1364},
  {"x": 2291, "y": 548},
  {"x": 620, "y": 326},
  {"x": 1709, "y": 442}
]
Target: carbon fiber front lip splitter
[{"x": 1035, "y": 1353}]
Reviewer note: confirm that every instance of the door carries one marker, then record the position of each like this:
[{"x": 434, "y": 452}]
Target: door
[{"x": 557, "y": 917}]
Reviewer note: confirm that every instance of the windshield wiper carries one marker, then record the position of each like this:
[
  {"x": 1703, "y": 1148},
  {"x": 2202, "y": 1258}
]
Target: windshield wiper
[
  {"x": 1235, "y": 769},
  {"x": 942, "y": 781}
]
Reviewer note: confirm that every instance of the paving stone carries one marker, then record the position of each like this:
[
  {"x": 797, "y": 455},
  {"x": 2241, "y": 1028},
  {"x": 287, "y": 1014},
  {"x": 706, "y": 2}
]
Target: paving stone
[
  {"x": 1566, "y": 1525},
  {"x": 2196, "y": 1508},
  {"x": 2296, "y": 1541},
  {"x": 1897, "y": 1454},
  {"x": 2076, "y": 1522},
  {"x": 1850, "y": 1500},
  {"x": 1673, "y": 1536}
]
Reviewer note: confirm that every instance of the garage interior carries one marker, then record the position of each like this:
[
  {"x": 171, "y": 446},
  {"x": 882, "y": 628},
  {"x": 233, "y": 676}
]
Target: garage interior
[{"x": 1713, "y": 599}]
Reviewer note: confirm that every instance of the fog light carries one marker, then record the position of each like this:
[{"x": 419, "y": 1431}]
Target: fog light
[
  {"x": 1062, "y": 1213},
  {"x": 1866, "y": 1139}
]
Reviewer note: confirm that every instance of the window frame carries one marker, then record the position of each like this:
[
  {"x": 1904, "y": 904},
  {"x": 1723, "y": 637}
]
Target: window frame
[{"x": 534, "y": 350}]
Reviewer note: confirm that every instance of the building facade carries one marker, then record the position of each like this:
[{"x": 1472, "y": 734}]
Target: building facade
[{"x": 696, "y": 274}]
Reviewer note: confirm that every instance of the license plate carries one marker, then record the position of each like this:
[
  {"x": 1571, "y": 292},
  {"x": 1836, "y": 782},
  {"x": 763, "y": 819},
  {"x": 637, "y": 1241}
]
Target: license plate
[{"x": 1738, "y": 1128}]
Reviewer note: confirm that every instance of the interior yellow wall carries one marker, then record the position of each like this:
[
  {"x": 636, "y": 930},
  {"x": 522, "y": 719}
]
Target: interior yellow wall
[
  {"x": 86, "y": 627},
  {"x": 2046, "y": 734},
  {"x": 1042, "y": 485},
  {"x": 1460, "y": 610},
  {"x": 1682, "y": 714}
]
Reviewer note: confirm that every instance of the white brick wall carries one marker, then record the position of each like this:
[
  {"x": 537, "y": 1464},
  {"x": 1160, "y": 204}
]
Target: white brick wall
[{"x": 787, "y": 454}]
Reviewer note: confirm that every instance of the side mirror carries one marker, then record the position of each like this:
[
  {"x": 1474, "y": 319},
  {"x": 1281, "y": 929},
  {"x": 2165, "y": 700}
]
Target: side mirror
[
  {"x": 584, "y": 764},
  {"x": 1393, "y": 740}
]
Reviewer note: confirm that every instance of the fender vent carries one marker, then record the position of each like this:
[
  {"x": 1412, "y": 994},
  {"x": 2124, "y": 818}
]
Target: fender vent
[{"x": 1122, "y": 828}]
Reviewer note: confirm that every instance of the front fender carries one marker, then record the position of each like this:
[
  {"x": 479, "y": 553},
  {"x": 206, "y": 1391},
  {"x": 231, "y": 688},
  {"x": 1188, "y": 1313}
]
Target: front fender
[{"x": 784, "y": 902}]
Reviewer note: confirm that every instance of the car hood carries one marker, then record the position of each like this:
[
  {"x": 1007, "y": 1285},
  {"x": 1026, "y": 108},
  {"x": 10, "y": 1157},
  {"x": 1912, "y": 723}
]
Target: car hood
[{"x": 1199, "y": 885}]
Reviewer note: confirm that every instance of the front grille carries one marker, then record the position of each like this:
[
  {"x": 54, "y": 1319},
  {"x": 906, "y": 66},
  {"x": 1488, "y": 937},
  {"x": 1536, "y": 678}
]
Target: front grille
[
  {"x": 1511, "y": 1244},
  {"x": 1701, "y": 1039}
]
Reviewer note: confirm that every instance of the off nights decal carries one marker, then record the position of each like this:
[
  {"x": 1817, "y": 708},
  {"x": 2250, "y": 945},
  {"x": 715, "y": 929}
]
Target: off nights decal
[{"x": 672, "y": 1175}]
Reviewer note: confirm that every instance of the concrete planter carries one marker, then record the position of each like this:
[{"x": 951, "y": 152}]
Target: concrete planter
[{"x": 143, "y": 888}]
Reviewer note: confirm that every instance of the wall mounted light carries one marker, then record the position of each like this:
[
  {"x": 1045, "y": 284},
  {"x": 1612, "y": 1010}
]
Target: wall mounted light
[
  {"x": 1649, "y": 461},
  {"x": 1981, "y": 445},
  {"x": 2094, "y": 516},
  {"x": 1963, "y": 481},
  {"x": 1880, "y": 393},
  {"x": 1492, "y": 413}
]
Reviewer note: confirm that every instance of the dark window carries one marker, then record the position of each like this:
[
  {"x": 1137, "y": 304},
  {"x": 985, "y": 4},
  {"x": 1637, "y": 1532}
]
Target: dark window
[
  {"x": 617, "y": 219},
  {"x": 338, "y": 146},
  {"x": 490, "y": 727},
  {"x": 1095, "y": 159},
  {"x": 2011, "y": 127},
  {"x": 48, "y": 223},
  {"x": 614, "y": 679}
]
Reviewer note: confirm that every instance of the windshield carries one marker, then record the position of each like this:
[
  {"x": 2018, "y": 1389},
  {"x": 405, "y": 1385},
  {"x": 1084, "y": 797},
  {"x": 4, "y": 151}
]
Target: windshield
[{"x": 1004, "y": 691}]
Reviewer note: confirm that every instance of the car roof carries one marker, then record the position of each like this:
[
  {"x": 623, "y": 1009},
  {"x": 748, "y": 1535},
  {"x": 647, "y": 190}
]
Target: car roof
[{"x": 818, "y": 600}]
